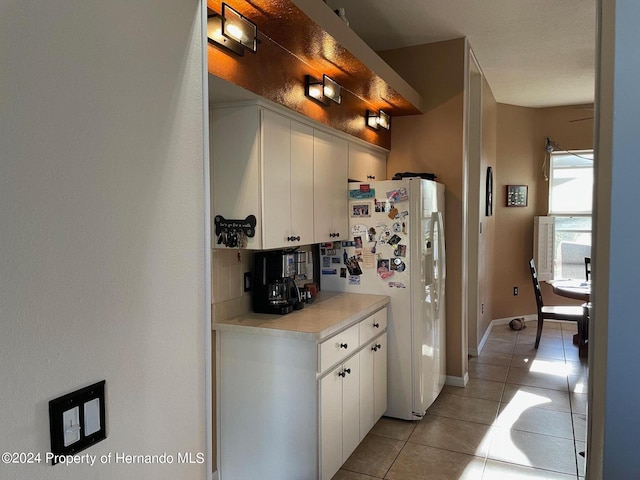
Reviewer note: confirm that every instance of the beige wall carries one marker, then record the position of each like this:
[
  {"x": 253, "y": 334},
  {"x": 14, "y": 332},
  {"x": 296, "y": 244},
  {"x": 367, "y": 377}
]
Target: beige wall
[
  {"x": 487, "y": 237},
  {"x": 520, "y": 158},
  {"x": 102, "y": 214},
  {"x": 433, "y": 142}
]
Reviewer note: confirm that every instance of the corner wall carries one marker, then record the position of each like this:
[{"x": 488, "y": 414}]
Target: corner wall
[
  {"x": 433, "y": 142},
  {"x": 102, "y": 259}
]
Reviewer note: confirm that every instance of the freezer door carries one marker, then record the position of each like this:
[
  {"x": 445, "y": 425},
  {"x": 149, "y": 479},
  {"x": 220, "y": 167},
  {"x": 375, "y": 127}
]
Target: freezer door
[
  {"x": 425, "y": 288},
  {"x": 428, "y": 342}
]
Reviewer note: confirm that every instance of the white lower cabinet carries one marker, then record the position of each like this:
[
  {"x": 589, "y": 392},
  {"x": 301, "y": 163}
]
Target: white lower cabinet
[
  {"x": 373, "y": 383},
  {"x": 339, "y": 415},
  {"x": 293, "y": 408}
]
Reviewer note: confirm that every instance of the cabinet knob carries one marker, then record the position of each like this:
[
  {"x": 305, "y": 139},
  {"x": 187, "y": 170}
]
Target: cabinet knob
[
  {"x": 342, "y": 373},
  {"x": 293, "y": 239},
  {"x": 376, "y": 347},
  {"x": 344, "y": 345},
  {"x": 376, "y": 325},
  {"x": 347, "y": 370}
]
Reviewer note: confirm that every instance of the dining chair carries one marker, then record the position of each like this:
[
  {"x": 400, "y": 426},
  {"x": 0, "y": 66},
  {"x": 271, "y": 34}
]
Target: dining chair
[
  {"x": 573, "y": 313},
  {"x": 587, "y": 268}
]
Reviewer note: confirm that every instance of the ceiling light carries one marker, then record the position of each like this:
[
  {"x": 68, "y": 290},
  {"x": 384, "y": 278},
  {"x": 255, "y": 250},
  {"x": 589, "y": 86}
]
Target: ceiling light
[
  {"x": 233, "y": 31},
  {"x": 323, "y": 91}
]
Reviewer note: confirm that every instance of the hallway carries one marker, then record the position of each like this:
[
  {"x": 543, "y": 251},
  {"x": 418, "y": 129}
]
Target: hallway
[{"x": 521, "y": 416}]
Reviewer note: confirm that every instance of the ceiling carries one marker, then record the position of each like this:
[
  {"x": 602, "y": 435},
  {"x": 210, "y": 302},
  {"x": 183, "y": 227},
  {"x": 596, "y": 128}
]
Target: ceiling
[{"x": 533, "y": 53}]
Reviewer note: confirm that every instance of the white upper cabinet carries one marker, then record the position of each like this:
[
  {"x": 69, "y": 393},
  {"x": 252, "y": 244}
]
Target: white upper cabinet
[
  {"x": 287, "y": 181},
  {"x": 366, "y": 164},
  {"x": 263, "y": 166},
  {"x": 330, "y": 185},
  {"x": 290, "y": 175},
  {"x": 235, "y": 154}
]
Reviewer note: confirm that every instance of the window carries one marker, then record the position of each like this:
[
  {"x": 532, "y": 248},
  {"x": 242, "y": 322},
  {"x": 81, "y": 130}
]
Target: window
[{"x": 570, "y": 203}]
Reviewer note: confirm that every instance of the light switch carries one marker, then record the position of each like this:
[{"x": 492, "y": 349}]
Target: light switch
[
  {"x": 71, "y": 426},
  {"x": 77, "y": 420},
  {"x": 92, "y": 416}
]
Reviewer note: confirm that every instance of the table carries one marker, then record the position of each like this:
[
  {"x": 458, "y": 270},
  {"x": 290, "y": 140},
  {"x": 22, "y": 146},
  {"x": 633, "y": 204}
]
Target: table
[{"x": 578, "y": 290}]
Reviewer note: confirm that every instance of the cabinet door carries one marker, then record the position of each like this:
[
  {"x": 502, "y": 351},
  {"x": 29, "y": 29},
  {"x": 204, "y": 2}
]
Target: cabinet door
[
  {"x": 331, "y": 423},
  {"x": 350, "y": 407},
  {"x": 276, "y": 179},
  {"x": 380, "y": 378},
  {"x": 330, "y": 163},
  {"x": 301, "y": 183},
  {"x": 373, "y": 383},
  {"x": 367, "y": 419},
  {"x": 366, "y": 164}
]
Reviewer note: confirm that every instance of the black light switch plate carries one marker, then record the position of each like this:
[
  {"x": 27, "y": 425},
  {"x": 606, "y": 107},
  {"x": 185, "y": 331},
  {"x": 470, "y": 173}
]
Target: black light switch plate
[{"x": 77, "y": 420}]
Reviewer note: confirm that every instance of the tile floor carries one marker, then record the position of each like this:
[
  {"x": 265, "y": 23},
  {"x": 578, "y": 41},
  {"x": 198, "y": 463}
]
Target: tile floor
[{"x": 521, "y": 416}]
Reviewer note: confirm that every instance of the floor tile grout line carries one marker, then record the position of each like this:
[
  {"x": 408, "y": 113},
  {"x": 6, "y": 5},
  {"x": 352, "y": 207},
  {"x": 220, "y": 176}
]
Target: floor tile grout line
[{"x": 400, "y": 451}]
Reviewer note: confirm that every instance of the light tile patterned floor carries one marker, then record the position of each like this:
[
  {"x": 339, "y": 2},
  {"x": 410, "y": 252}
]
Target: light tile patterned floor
[{"x": 521, "y": 416}]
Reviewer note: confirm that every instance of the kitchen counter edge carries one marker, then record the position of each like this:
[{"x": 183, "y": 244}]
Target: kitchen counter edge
[{"x": 337, "y": 311}]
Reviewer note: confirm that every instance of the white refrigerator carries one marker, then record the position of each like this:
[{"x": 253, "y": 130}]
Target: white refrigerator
[{"x": 396, "y": 248}]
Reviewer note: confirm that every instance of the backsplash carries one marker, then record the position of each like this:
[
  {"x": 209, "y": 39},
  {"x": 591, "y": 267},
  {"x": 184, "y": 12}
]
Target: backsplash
[
  {"x": 227, "y": 283},
  {"x": 228, "y": 297}
]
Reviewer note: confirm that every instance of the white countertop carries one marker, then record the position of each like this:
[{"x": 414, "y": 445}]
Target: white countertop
[{"x": 328, "y": 314}]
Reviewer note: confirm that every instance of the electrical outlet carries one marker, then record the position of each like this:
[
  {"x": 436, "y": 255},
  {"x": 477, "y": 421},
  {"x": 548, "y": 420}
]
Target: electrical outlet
[{"x": 515, "y": 291}]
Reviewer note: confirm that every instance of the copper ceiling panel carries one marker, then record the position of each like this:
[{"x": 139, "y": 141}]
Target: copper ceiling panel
[{"x": 292, "y": 46}]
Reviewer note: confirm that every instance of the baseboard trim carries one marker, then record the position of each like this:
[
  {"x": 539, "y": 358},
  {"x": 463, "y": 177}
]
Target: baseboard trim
[
  {"x": 505, "y": 321},
  {"x": 457, "y": 381},
  {"x": 498, "y": 321}
]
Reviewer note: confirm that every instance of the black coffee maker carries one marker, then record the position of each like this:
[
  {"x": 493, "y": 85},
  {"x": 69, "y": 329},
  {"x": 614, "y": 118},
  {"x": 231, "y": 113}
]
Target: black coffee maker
[{"x": 274, "y": 291}]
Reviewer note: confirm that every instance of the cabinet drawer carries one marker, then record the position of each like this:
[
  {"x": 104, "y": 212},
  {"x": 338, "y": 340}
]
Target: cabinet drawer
[
  {"x": 373, "y": 325},
  {"x": 338, "y": 347}
]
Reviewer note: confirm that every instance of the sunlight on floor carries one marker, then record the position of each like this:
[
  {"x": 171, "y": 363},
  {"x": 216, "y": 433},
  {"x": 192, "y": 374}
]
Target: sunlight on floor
[
  {"x": 580, "y": 387},
  {"x": 521, "y": 401},
  {"x": 551, "y": 367}
]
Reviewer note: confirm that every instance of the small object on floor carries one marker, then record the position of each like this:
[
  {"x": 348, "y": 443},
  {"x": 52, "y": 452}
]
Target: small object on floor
[{"x": 517, "y": 324}]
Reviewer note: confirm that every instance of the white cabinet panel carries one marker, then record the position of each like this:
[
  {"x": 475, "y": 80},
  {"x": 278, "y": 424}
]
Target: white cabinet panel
[
  {"x": 276, "y": 178},
  {"x": 302, "y": 182},
  {"x": 373, "y": 383},
  {"x": 366, "y": 391},
  {"x": 331, "y": 423},
  {"x": 330, "y": 185},
  {"x": 235, "y": 152},
  {"x": 373, "y": 326},
  {"x": 350, "y": 407},
  {"x": 366, "y": 164},
  {"x": 380, "y": 378},
  {"x": 338, "y": 347},
  {"x": 287, "y": 176}
]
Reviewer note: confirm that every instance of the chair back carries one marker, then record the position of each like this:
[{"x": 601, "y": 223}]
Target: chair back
[
  {"x": 587, "y": 268},
  {"x": 536, "y": 285}
]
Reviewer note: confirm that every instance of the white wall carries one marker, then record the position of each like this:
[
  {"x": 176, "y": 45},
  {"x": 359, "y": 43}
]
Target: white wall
[{"x": 102, "y": 258}]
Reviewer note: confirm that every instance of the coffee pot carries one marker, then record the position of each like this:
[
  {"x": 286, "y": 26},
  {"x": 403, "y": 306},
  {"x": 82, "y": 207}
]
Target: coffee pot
[{"x": 273, "y": 291}]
